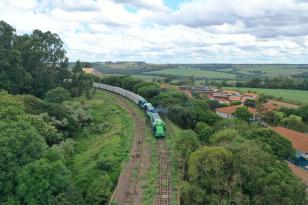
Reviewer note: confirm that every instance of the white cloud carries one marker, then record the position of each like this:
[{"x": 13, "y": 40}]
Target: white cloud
[{"x": 198, "y": 32}]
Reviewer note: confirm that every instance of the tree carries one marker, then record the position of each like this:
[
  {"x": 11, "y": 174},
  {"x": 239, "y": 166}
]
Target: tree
[
  {"x": 185, "y": 144},
  {"x": 242, "y": 113},
  {"x": 20, "y": 144},
  {"x": 43, "y": 56},
  {"x": 280, "y": 146},
  {"x": 224, "y": 136},
  {"x": 204, "y": 131},
  {"x": 294, "y": 122},
  {"x": 264, "y": 179},
  {"x": 10, "y": 108},
  {"x": 13, "y": 77},
  {"x": 211, "y": 170},
  {"x": 41, "y": 181},
  {"x": 57, "y": 95},
  {"x": 149, "y": 92},
  {"x": 214, "y": 104}
]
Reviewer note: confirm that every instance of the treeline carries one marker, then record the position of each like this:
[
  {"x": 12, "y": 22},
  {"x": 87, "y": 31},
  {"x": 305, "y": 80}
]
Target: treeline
[
  {"x": 35, "y": 63},
  {"x": 223, "y": 161},
  {"x": 275, "y": 83},
  {"x": 36, "y": 137},
  {"x": 36, "y": 145}
]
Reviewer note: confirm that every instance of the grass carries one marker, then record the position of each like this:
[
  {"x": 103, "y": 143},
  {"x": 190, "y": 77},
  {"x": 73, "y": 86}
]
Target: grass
[
  {"x": 195, "y": 73},
  {"x": 99, "y": 156},
  {"x": 297, "y": 96},
  {"x": 172, "y": 132}
]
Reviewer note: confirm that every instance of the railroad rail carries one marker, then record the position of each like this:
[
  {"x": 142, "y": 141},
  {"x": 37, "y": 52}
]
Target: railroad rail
[
  {"x": 164, "y": 174},
  {"x": 127, "y": 195}
]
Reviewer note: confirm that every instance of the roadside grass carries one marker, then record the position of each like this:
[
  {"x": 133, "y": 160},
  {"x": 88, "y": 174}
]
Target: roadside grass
[
  {"x": 292, "y": 96},
  {"x": 195, "y": 73},
  {"x": 99, "y": 155}
]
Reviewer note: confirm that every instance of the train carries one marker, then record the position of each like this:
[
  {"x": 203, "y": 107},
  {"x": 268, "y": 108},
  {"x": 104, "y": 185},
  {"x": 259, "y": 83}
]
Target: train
[{"x": 158, "y": 126}]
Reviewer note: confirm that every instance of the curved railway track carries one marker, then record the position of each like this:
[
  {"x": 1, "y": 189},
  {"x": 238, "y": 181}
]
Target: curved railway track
[{"x": 127, "y": 191}]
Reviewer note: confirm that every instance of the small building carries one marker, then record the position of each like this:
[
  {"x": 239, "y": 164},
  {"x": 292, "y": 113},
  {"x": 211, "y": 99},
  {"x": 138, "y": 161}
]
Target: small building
[
  {"x": 299, "y": 172},
  {"x": 92, "y": 71},
  {"x": 250, "y": 95},
  {"x": 234, "y": 98},
  {"x": 231, "y": 92},
  {"x": 227, "y": 112},
  {"x": 299, "y": 141}
]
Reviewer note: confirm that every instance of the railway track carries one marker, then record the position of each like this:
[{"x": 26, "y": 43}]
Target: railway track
[
  {"x": 164, "y": 183},
  {"x": 127, "y": 188}
]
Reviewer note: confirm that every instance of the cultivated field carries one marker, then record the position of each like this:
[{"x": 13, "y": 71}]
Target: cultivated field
[
  {"x": 195, "y": 73},
  {"x": 300, "y": 96},
  {"x": 269, "y": 70}
]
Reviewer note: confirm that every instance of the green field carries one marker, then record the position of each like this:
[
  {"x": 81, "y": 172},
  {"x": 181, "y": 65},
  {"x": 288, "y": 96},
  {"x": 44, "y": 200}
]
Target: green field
[
  {"x": 99, "y": 154},
  {"x": 148, "y": 78},
  {"x": 299, "y": 96},
  {"x": 195, "y": 73},
  {"x": 271, "y": 70}
]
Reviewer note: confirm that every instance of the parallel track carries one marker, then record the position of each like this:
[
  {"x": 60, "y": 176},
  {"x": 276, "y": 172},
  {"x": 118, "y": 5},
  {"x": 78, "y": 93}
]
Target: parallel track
[{"x": 164, "y": 174}]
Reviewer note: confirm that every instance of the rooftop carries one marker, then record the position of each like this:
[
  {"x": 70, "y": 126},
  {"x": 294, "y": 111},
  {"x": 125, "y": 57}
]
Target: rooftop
[
  {"x": 299, "y": 172},
  {"x": 232, "y": 109},
  {"x": 299, "y": 140}
]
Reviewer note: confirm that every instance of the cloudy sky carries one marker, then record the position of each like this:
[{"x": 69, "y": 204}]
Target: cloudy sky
[{"x": 170, "y": 31}]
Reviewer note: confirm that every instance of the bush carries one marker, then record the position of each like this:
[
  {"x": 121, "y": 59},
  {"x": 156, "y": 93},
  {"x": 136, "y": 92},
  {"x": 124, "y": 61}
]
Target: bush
[{"x": 57, "y": 95}]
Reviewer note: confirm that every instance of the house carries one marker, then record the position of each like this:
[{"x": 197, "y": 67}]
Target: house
[
  {"x": 227, "y": 112},
  {"x": 92, "y": 71},
  {"x": 300, "y": 143},
  {"x": 234, "y": 98},
  {"x": 250, "y": 95},
  {"x": 299, "y": 172},
  {"x": 231, "y": 92}
]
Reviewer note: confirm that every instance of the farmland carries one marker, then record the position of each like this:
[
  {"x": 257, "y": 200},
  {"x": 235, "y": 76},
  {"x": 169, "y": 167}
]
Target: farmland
[
  {"x": 201, "y": 71},
  {"x": 299, "y": 96},
  {"x": 196, "y": 73}
]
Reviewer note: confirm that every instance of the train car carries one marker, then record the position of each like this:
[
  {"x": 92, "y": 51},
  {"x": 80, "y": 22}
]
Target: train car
[
  {"x": 158, "y": 126},
  {"x": 149, "y": 109},
  {"x": 142, "y": 102}
]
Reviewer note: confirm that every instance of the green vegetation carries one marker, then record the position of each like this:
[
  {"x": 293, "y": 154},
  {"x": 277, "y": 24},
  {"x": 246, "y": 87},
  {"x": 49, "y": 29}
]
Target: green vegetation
[
  {"x": 57, "y": 95},
  {"x": 100, "y": 149},
  {"x": 33, "y": 167},
  {"x": 270, "y": 70},
  {"x": 296, "y": 119},
  {"x": 299, "y": 96},
  {"x": 225, "y": 161},
  {"x": 195, "y": 73},
  {"x": 36, "y": 63}
]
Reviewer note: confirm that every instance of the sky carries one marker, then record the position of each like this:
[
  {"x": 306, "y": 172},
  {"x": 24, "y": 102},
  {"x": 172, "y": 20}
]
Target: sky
[{"x": 170, "y": 31}]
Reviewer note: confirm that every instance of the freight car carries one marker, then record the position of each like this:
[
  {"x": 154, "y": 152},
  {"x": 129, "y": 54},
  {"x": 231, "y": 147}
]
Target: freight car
[{"x": 157, "y": 124}]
